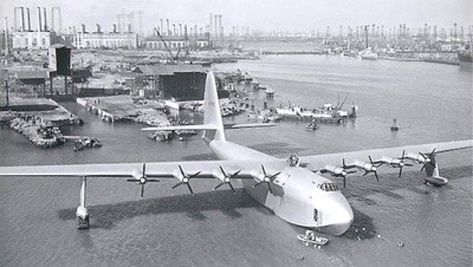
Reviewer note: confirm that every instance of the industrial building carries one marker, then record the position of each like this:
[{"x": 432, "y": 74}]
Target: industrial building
[
  {"x": 31, "y": 40},
  {"x": 35, "y": 27},
  {"x": 176, "y": 42},
  {"x": 99, "y": 39},
  {"x": 182, "y": 81}
]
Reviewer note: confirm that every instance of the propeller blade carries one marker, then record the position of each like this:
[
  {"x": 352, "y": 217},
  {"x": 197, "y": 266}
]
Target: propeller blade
[
  {"x": 257, "y": 184},
  {"x": 423, "y": 167},
  {"x": 235, "y": 174},
  {"x": 176, "y": 185},
  {"x": 423, "y": 155},
  {"x": 231, "y": 187},
  {"x": 182, "y": 171},
  {"x": 270, "y": 188},
  {"x": 376, "y": 175},
  {"x": 220, "y": 184},
  {"x": 400, "y": 172},
  {"x": 344, "y": 181},
  {"x": 274, "y": 175},
  {"x": 223, "y": 171},
  {"x": 408, "y": 164},
  {"x": 350, "y": 172},
  {"x": 153, "y": 180},
  {"x": 132, "y": 180},
  {"x": 144, "y": 169},
  {"x": 142, "y": 189},
  {"x": 403, "y": 154},
  {"x": 371, "y": 160},
  {"x": 343, "y": 163},
  {"x": 433, "y": 151},
  {"x": 264, "y": 170},
  {"x": 190, "y": 188},
  {"x": 194, "y": 175}
]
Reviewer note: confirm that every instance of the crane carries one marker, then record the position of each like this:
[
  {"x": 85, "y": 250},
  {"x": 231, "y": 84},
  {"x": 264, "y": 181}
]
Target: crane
[{"x": 173, "y": 58}]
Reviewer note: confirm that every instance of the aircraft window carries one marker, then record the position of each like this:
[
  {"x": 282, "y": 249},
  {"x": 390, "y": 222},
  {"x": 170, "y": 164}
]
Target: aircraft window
[{"x": 328, "y": 187}]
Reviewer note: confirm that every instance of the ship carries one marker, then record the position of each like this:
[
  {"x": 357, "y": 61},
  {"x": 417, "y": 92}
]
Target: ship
[
  {"x": 368, "y": 54},
  {"x": 466, "y": 59}
]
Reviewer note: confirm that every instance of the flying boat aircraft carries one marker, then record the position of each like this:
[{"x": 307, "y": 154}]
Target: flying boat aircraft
[{"x": 293, "y": 189}]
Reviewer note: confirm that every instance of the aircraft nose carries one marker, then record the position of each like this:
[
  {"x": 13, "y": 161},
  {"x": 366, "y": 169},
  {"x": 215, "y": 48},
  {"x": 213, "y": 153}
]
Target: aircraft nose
[{"x": 342, "y": 219}]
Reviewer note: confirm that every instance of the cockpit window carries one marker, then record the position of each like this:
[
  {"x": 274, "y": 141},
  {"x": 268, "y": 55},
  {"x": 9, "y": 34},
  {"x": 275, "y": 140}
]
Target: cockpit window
[{"x": 329, "y": 187}]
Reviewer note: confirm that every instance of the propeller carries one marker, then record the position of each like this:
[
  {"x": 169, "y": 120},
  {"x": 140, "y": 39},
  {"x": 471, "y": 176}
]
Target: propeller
[
  {"x": 142, "y": 180},
  {"x": 267, "y": 179},
  {"x": 402, "y": 164},
  {"x": 226, "y": 179},
  {"x": 185, "y": 179},
  {"x": 427, "y": 159},
  {"x": 344, "y": 173},
  {"x": 372, "y": 169}
]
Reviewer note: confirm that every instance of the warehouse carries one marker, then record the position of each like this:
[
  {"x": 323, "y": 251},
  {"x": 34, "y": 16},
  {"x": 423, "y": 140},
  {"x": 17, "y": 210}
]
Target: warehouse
[{"x": 182, "y": 81}]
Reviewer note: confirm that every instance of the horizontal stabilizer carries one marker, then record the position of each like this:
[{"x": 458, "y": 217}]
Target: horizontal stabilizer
[
  {"x": 182, "y": 127},
  {"x": 248, "y": 125}
]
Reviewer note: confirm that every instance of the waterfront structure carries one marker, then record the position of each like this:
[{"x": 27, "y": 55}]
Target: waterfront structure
[{"x": 181, "y": 81}]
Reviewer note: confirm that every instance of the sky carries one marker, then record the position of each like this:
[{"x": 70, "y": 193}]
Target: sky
[{"x": 266, "y": 15}]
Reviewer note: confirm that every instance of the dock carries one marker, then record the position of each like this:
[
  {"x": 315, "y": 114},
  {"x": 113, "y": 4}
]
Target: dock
[{"x": 118, "y": 108}]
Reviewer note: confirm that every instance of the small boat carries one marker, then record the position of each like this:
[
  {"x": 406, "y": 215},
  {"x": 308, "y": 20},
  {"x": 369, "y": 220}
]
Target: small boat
[
  {"x": 310, "y": 239},
  {"x": 435, "y": 181}
]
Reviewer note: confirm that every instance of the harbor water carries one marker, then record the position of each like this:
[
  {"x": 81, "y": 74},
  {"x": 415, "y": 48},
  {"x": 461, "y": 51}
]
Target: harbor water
[{"x": 431, "y": 102}]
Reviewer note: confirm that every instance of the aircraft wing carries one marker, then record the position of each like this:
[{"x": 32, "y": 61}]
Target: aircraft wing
[
  {"x": 205, "y": 169},
  {"x": 318, "y": 162}
]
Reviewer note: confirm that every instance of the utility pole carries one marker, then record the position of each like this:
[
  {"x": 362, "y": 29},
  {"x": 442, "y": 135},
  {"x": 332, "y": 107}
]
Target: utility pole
[
  {"x": 7, "y": 51},
  {"x": 5, "y": 77}
]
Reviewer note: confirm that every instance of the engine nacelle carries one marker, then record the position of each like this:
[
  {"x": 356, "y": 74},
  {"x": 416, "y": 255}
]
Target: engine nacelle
[
  {"x": 82, "y": 212},
  {"x": 368, "y": 167},
  {"x": 336, "y": 171}
]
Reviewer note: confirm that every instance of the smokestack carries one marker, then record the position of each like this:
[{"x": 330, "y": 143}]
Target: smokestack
[
  {"x": 129, "y": 28},
  {"x": 173, "y": 29},
  {"x": 57, "y": 23},
  {"x": 29, "y": 18},
  {"x": 114, "y": 28},
  {"x": 22, "y": 19},
  {"x": 162, "y": 26},
  {"x": 15, "y": 19},
  {"x": 180, "y": 29},
  {"x": 221, "y": 26},
  {"x": 83, "y": 28},
  {"x": 211, "y": 24},
  {"x": 40, "y": 21},
  {"x": 45, "y": 20},
  {"x": 167, "y": 27},
  {"x": 98, "y": 28},
  {"x": 216, "y": 25},
  {"x": 53, "y": 24},
  {"x": 195, "y": 30}
]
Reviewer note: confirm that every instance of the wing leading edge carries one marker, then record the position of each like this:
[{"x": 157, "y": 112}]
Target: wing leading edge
[
  {"x": 319, "y": 161},
  {"x": 206, "y": 169}
]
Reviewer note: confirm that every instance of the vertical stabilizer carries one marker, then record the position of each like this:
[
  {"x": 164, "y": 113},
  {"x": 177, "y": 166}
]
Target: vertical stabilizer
[{"x": 212, "y": 115}]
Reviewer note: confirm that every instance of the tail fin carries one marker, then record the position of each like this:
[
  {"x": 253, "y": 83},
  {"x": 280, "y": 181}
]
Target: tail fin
[
  {"x": 213, "y": 125},
  {"x": 212, "y": 115}
]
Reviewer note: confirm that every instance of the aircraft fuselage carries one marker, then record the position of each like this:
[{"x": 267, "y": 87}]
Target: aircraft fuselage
[{"x": 299, "y": 196}]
